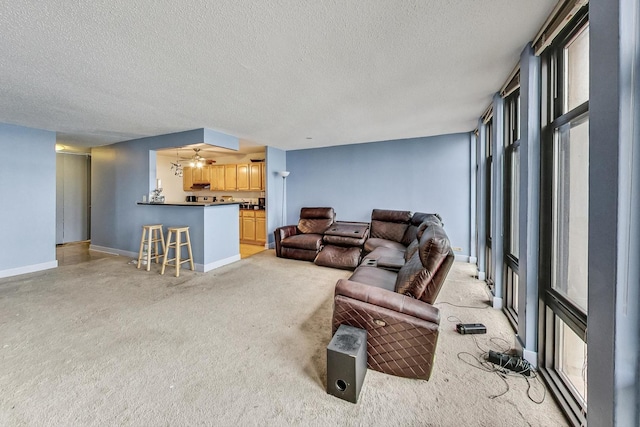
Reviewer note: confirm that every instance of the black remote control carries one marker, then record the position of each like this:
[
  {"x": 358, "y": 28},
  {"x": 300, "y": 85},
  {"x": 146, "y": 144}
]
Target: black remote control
[
  {"x": 471, "y": 328},
  {"x": 513, "y": 363}
]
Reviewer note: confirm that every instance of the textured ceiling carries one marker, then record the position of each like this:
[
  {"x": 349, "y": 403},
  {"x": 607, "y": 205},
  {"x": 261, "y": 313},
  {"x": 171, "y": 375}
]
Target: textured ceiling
[{"x": 274, "y": 72}]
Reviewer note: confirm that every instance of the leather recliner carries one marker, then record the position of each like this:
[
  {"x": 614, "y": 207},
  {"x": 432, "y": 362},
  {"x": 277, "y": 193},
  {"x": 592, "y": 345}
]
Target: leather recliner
[{"x": 304, "y": 241}]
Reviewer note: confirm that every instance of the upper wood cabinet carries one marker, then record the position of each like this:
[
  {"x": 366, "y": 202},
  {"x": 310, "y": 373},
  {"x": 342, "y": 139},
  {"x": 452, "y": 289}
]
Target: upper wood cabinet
[
  {"x": 217, "y": 177},
  {"x": 255, "y": 176},
  {"x": 235, "y": 177},
  {"x": 230, "y": 177},
  {"x": 242, "y": 182},
  {"x": 201, "y": 175}
]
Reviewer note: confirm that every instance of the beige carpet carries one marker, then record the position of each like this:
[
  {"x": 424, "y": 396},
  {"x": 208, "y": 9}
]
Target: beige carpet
[{"x": 102, "y": 343}]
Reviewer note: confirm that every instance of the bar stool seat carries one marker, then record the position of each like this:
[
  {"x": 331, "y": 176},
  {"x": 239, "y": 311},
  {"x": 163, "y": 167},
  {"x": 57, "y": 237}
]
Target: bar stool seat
[
  {"x": 150, "y": 235},
  {"x": 176, "y": 232}
]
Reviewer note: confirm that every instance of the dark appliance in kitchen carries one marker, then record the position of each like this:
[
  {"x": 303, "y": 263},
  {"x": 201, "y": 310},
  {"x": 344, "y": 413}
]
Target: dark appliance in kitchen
[
  {"x": 261, "y": 202},
  {"x": 192, "y": 199}
]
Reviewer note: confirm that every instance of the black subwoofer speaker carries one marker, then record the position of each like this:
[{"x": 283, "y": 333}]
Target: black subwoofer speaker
[{"x": 347, "y": 363}]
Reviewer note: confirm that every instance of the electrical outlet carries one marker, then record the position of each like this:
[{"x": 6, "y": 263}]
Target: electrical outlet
[{"x": 457, "y": 249}]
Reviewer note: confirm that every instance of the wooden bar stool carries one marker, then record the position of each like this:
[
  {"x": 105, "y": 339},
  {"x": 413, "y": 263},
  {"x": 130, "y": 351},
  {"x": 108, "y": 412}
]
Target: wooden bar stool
[
  {"x": 177, "y": 245},
  {"x": 150, "y": 237}
]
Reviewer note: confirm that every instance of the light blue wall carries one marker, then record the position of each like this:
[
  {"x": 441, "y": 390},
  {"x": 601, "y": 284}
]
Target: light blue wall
[
  {"x": 614, "y": 199},
  {"x": 28, "y": 194},
  {"x": 430, "y": 174},
  {"x": 276, "y": 161},
  {"x": 124, "y": 172}
]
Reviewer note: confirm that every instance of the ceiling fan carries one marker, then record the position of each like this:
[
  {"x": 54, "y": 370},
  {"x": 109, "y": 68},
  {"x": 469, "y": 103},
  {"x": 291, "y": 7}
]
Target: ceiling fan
[{"x": 195, "y": 161}]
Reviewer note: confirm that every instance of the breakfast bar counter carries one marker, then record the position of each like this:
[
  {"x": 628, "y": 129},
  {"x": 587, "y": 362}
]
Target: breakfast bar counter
[{"x": 213, "y": 228}]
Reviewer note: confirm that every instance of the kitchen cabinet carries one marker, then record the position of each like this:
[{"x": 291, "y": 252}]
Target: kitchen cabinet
[
  {"x": 230, "y": 177},
  {"x": 248, "y": 229},
  {"x": 261, "y": 227},
  {"x": 256, "y": 171},
  {"x": 217, "y": 177},
  {"x": 201, "y": 175},
  {"x": 252, "y": 226},
  {"x": 242, "y": 181},
  {"x": 187, "y": 179}
]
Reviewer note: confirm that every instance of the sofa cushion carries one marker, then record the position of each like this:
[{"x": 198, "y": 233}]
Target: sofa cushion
[
  {"x": 374, "y": 242},
  {"x": 410, "y": 235},
  {"x": 389, "y": 224},
  {"x": 414, "y": 231},
  {"x": 417, "y": 273},
  {"x": 412, "y": 278},
  {"x": 338, "y": 257},
  {"x": 299, "y": 254},
  {"x": 434, "y": 246},
  {"x": 388, "y": 230},
  {"x": 303, "y": 241},
  {"x": 411, "y": 249},
  {"x": 372, "y": 276},
  {"x": 419, "y": 217},
  {"x": 388, "y": 215},
  {"x": 315, "y": 220},
  {"x": 384, "y": 252}
]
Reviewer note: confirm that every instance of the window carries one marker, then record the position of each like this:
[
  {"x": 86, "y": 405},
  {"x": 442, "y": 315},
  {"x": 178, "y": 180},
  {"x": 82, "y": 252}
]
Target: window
[
  {"x": 511, "y": 205},
  {"x": 564, "y": 220},
  {"x": 489, "y": 182},
  {"x": 569, "y": 250}
]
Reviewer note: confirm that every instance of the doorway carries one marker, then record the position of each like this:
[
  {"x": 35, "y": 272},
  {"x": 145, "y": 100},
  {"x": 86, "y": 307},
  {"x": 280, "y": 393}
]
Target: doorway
[{"x": 73, "y": 198}]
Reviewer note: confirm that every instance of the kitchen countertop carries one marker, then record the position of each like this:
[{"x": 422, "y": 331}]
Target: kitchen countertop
[{"x": 189, "y": 203}]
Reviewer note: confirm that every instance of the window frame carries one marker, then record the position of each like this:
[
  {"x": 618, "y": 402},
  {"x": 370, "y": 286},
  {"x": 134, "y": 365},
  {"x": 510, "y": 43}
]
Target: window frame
[
  {"x": 511, "y": 260},
  {"x": 553, "y": 304},
  {"x": 488, "y": 129}
]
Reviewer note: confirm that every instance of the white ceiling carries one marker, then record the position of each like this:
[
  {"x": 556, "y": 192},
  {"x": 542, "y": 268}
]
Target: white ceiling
[{"x": 273, "y": 72}]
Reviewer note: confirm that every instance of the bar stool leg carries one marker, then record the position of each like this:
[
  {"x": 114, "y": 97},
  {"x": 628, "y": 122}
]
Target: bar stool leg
[
  {"x": 166, "y": 252},
  {"x": 164, "y": 246},
  {"x": 149, "y": 246},
  {"x": 189, "y": 250},
  {"x": 144, "y": 231},
  {"x": 178, "y": 250}
]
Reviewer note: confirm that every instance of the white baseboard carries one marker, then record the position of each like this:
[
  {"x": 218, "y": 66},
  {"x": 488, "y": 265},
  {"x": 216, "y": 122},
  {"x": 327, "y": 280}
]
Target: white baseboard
[
  {"x": 28, "y": 269},
  {"x": 473, "y": 260},
  {"x": 531, "y": 357},
  {"x": 217, "y": 264},
  {"x": 199, "y": 267},
  {"x": 497, "y": 303},
  {"x": 462, "y": 258},
  {"x": 113, "y": 251},
  {"x": 528, "y": 355},
  {"x": 482, "y": 275}
]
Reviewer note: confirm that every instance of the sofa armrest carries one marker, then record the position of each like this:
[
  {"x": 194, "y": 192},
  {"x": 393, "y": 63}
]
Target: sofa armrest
[
  {"x": 387, "y": 299},
  {"x": 282, "y": 233}
]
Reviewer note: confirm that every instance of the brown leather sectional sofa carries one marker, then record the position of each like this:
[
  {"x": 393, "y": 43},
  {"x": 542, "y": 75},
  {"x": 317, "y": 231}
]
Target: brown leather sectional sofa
[{"x": 391, "y": 292}]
